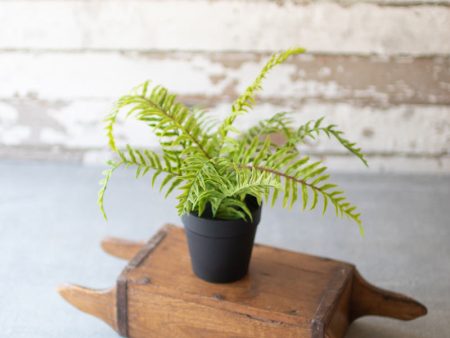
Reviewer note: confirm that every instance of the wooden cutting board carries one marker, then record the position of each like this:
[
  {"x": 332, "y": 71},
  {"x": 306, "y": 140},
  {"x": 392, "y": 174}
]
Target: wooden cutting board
[{"x": 285, "y": 294}]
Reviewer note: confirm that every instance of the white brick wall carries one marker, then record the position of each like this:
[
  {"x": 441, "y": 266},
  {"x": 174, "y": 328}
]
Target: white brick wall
[{"x": 379, "y": 69}]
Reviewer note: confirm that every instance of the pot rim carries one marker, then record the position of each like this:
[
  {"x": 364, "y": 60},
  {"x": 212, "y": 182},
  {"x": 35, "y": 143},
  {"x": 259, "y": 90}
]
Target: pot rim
[{"x": 217, "y": 228}]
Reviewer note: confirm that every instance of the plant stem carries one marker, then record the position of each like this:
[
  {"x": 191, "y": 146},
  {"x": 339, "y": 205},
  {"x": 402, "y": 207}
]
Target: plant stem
[{"x": 279, "y": 173}]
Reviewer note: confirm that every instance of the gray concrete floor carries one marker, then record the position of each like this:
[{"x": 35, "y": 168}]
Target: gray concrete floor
[{"x": 50, "y": 229}]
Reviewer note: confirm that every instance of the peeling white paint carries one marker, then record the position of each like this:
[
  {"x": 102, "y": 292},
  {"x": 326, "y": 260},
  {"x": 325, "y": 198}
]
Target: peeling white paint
[
  {"x": 94, "y": 75},
  {"x": 81, "y": 124},
  {"x": 393, "y": 135},
  {"x": 405, "y": 129},
  {"x": 7, "y": 113},
  {"x": 83, "y": 127},
  {"x": 224, "y": 25},
  {"x": 11, "y": 132},
  {"x": 62, "y": 64},
  {"x": 51, "y": 136},
  {"x": 14, "y": 135}
]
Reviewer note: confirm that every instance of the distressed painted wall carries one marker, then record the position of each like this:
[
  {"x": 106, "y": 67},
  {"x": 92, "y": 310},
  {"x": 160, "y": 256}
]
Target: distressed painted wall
[{"x": 379, "y": 69}]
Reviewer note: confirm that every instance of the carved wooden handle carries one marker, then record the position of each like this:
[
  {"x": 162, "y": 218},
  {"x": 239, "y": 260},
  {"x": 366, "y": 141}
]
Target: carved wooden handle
[
  {"x": 121, "y": 248},
  {"x": 368, "y": 300},
  {"x": 99, "y": 303}
]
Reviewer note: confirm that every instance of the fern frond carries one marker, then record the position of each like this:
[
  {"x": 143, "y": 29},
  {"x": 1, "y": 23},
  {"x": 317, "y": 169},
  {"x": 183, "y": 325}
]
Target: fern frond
[
  {"x": 193, "y": 176},
  {"x": 147, "y": 160},
  {"x": 177, "y": 127},
  {"x": 223, "y": 185},
  {"x": 207, "y": 122},
  {"x": 314, "y": 128},
  {"x": 143, "y": 161},
  {"x": 246, "y": 101},
  {"x": 328, "y": 192},
  {"x": 256, "y": 149},
  {"x": 278, "y": 123},
  {"x": 104, "y": 184},
  {"x": 111, "y": 121},
  {"x": 214, "y": 172},
  {"x": 351, "y": 146},
  {"x": 299, "y": 175}
]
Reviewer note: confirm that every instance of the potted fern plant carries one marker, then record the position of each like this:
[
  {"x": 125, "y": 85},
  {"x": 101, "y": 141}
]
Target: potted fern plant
[{"x": 222, "y": 174}]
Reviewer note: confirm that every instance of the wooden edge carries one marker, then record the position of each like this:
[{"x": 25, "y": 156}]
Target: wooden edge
[
  {"x": 121, "y": 248},
  {"x": 330, "y": 300},
  {"x": 122, "y": 281},
  {"x": 367, "y": 299},
  {"x": 99, "y": 303}
]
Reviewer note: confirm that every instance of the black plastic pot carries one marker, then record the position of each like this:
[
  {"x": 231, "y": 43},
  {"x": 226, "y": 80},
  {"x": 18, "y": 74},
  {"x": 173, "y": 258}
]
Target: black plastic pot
[{"x": 221, "y": 249}]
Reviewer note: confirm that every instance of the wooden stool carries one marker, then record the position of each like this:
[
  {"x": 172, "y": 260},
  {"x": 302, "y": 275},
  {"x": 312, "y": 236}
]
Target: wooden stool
[{"x": 285, "y": 294}]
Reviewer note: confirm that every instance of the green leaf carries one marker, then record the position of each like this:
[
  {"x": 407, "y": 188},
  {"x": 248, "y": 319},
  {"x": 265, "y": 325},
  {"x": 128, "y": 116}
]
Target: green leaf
[
  {"x": 315, "y": 198},
  {"x": 304, "y": 195}
]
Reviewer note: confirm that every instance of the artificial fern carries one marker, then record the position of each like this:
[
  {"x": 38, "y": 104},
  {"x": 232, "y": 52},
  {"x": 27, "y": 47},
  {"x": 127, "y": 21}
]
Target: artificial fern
[{"x": 216, "y": 172}]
